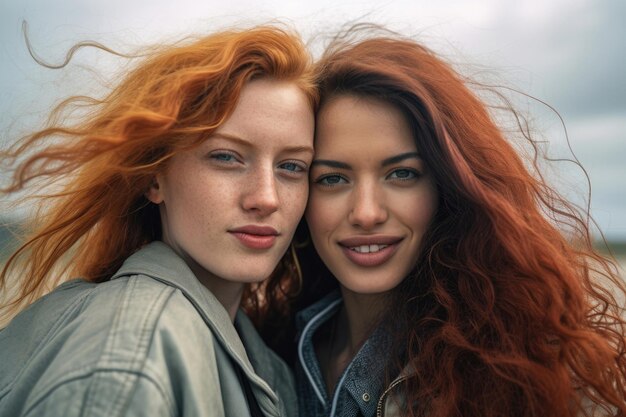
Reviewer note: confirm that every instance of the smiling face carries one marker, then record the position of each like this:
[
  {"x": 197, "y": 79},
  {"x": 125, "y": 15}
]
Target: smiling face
[
  {"x": 371, "y": 197},
  {"x": 230, "y": 206}
]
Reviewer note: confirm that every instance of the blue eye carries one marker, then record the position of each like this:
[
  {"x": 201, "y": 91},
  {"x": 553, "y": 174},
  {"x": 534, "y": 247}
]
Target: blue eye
[
  {"x": 331, "y": 180},
  {"x": 403, "y": 174},
  {"x": 292, "y": 167},
  {"x": 223, "y": 157}
]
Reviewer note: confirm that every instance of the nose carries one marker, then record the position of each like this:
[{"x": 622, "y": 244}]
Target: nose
[
  {"x": 261, "y": 194},
  {"x": 368, "y": 206}
]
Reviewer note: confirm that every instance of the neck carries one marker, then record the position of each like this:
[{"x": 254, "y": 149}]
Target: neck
[
  {"x": 228, "y": 293},
  {"x": 362, "y": 312},
  {"x": 346, "y": 332}
]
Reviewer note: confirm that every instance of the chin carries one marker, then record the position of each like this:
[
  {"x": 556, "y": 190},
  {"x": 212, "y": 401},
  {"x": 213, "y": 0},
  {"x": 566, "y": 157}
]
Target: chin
[
  {"x": 247, "y": 278},
  {"x": 251, "y": 274},
  {"x": 370, "y": 289}
]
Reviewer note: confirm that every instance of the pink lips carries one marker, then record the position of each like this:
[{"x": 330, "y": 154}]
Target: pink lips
[
  {"x": 370, "y": 259},
  {"x": 255, "y": 237}
]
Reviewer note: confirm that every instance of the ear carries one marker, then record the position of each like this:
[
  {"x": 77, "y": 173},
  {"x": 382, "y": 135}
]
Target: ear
[{"x": 155, "y": 192}]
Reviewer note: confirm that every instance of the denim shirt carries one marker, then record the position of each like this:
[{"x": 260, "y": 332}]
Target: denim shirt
[
  {"x": 152, "y": 341},
  {"x": 362, "y": 382}
]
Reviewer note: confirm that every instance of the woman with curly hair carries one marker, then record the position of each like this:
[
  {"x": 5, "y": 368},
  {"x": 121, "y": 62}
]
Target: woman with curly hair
[
  {"x": 174, "y": 199},
  {"x": 467, "y": 286}
]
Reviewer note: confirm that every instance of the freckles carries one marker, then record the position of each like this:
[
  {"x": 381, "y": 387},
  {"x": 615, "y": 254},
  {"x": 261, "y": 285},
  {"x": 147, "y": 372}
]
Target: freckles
[
  {"x": 295, "y": 198},
  {"x": 221, "y": 189},
  {"x": 208, "y": 193}
]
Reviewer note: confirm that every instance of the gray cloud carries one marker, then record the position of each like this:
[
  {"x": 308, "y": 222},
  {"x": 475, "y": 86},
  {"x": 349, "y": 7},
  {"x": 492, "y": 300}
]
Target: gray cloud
[
  {"x": 570, "y": 54},
  {"x": 577, "y": 57}
]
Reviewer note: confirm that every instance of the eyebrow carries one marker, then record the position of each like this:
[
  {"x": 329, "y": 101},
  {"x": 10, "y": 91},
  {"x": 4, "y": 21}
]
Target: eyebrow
[
  {"x": 330, "y": 163},
  {"x": 388, "y": 161},
  {"x": 400, "y": 158},
  {"x": 243, "y": 142},
  {"x": 295, "y": 149},
  {"x": 233, "y": 138}
]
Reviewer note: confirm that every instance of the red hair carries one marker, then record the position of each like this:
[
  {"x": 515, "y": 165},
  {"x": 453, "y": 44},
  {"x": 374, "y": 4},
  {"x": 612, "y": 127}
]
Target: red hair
[
  {"x": 502, "y": 315},
  {"x": 172, "y": 101}
]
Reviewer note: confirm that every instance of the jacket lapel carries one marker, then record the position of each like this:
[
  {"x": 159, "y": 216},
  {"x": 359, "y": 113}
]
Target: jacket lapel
[{"x": 158, "y": 261}]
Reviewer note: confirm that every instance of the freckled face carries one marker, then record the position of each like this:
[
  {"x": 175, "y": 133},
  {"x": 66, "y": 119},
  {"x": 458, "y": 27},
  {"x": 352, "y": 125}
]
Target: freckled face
[
  {"x": 372, "y": 197},
  {"x": 230, "y": 206}
]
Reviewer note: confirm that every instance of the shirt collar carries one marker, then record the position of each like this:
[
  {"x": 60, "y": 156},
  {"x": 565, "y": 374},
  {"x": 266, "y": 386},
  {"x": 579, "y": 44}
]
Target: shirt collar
[
  {"x": 304, "y": 316},
  {"x": 364, "y": 377},
  {"x": 307, "y": 322}
]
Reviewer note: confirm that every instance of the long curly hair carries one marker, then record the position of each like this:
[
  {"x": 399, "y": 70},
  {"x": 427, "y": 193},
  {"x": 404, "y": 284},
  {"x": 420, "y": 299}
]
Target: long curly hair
[
  {"x": 509, "y": 311},
  {"x": 93, "y": 174}
]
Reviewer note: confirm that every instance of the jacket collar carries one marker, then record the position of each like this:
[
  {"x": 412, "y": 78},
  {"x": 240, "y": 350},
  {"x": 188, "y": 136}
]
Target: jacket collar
[
  {"x": 258, "y": 352},
  {"x": 363, "y": 379},
  {"x": 158, "y": 261}
]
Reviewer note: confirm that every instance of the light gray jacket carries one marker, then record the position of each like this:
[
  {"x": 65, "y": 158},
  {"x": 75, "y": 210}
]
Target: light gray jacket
[{"x": 152, "y": 341}]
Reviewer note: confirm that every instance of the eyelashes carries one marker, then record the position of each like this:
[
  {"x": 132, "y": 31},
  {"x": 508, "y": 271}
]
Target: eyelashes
[
  {"x": 399, "y": 175},
  {"x": 331, "y": 180},
  {"x": 228, "y": 159},
  {"x": 294, "y": 167},
  {"x": 403, "y": 174},
  {"x": 224, "y": 157},
  {"x": 294, "y": 170}
]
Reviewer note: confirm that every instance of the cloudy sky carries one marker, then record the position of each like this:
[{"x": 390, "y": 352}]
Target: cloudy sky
[{"x": 568, "y": 53}]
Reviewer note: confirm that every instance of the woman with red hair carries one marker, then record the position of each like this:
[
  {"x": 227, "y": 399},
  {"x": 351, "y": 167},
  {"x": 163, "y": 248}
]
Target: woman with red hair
[
  {"x": 174, "y": 199},
  {"x": 467, "y": 286}
]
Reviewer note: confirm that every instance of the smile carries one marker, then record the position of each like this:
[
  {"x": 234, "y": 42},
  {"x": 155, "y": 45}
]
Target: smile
[
  {"x": 368, "y": 248},
  {"x": 370, "y": 251}
]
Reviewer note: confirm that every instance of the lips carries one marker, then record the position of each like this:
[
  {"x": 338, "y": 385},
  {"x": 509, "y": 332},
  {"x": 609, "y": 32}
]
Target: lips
[
  {"x": 370, "y": 251},
  {"x": 255, "y": 237}
]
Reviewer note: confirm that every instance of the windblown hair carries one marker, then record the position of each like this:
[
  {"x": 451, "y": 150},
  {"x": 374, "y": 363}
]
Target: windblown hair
[
  {"x": 94, "y": 173},
  {"x": 503, "y": 314}
]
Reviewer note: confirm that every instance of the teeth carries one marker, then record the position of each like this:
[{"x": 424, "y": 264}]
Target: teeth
[{"x": 368, "y": 248}]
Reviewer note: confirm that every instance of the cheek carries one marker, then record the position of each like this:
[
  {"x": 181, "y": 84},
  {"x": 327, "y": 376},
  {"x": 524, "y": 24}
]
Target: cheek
[
  {"x": 421, "y": 210},
  {"x": 200, "y": 193},
  {"x": 321, "y": 217},
  {"x": 294, "y": 200},
  {"x": 198, "y": 196},
  {"x": 217, "y": 191}
]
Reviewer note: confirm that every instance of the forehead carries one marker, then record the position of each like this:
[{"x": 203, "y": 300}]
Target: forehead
[
  {"x": 353, "y": 126},
  {"x": 268, "y": 108}
]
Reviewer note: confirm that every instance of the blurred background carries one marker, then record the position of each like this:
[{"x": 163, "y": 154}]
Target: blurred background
[{"x": 570, "y": 54}]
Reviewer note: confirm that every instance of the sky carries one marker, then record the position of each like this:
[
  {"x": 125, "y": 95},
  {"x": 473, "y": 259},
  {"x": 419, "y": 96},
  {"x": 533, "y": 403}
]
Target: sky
[{"x": 570, "y": 54}]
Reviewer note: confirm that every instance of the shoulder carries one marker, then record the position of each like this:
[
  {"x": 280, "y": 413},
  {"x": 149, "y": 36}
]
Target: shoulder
[
  {"x": 113, "y": 336},
  {"x": 85, "y": 321},
  {"x": 116, "y": 325}
]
